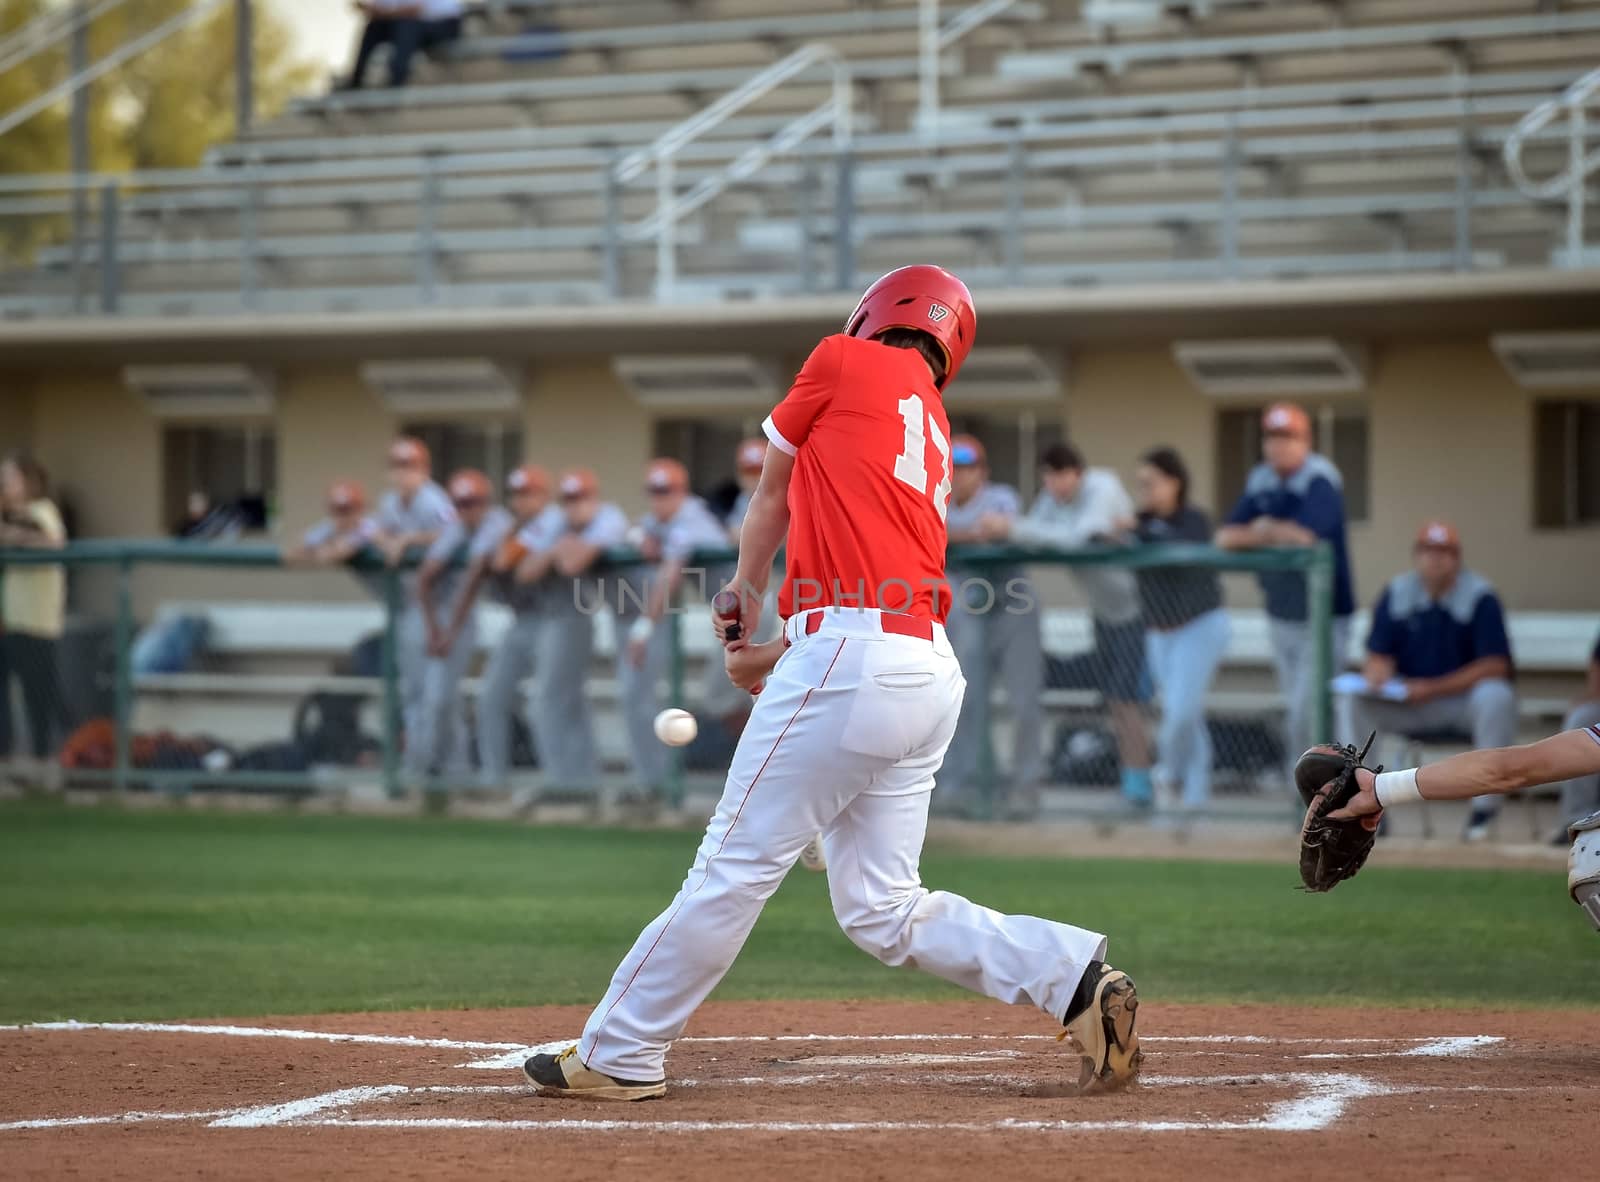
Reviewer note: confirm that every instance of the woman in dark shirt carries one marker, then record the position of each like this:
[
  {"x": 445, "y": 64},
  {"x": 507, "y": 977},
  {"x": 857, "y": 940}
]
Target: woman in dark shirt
[{"x": 1188, "y": 629}]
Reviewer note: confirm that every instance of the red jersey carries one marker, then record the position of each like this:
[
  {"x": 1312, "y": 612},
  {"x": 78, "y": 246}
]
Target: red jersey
[{"x": 871, "y": 443}]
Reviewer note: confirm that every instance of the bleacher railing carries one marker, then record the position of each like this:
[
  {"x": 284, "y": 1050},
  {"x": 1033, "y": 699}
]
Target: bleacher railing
[
  {"x": 1572, "y": 181},
  {"x": 158, "y": 730}
]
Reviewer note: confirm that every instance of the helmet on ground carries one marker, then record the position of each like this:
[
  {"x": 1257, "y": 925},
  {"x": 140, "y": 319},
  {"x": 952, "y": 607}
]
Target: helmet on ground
[{"x": 926, "y": 298}]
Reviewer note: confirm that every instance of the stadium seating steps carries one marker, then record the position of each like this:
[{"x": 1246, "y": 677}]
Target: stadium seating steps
[{"x": 1075, "y": 143}]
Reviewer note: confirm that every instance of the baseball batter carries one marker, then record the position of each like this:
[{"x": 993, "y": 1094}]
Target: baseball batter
[
  {"x": 861, "y": 697},
  {"x": 1499, "y": 771}
]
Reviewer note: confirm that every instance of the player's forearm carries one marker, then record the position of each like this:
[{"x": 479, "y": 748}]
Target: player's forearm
[
  {"x": 668, "y": 576},
  {"x": 1464, "y": 678},
  {"x": 535, "y": 565},
  {"x": 467, "y": 596},
  {"x": 1031, "y": 531},
  {"x": 1280, "y": 532},
  {"x": 426, "y": 578},
  {"x": 1498, "y": 770},
  {"x": 1237, "y": 537},
  {"x": 575, "y": 560},
  {"x": 765, "y": 527},
  {"x": 1377, "y": 668}
]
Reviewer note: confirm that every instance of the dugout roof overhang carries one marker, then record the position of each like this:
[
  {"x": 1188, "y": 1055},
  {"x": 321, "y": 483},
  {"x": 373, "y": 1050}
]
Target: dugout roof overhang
[{"x": 1368, "y": 307}]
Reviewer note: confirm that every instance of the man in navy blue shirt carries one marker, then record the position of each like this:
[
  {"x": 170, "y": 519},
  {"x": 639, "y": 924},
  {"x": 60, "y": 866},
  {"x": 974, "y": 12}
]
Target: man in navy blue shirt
[
  {"x": 1440, "y": 632},
  {"x": 1294, "y": 497},
  {"x": 1581, "y": 796}
]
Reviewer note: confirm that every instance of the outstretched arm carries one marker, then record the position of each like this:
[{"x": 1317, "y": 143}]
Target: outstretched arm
[{"x": 1495, "y": 771}]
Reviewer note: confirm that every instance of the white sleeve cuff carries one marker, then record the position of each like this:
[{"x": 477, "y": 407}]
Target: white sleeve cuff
[{"x": 776, "y": 436}]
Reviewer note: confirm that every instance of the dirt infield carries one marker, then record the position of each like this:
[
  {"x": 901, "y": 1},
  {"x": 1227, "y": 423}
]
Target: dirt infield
[{"x": 835, "y": 1090}]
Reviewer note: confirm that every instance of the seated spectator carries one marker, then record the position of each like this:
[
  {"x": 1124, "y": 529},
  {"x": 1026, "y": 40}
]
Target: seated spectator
[
  {"x": 1438, "y": 658},
  {"x": 405, "y": 26},
  {"x": 35, "y": 600},
  {"x": 1581, "y": 796},
  {"x": 1188, "y": 628},
  {"x": 1080, "y": 506}
]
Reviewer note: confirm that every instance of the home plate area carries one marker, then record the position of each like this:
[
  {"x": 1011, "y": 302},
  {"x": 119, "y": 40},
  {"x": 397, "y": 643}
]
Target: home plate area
[{"x": 914, "y": 1086}]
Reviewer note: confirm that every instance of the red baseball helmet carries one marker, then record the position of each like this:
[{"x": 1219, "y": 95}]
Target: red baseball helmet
[{"x": 926, "y": 298}]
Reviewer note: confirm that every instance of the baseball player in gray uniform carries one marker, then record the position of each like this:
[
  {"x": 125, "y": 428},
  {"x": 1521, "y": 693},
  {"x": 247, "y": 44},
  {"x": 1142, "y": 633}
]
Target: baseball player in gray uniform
[
  {"x": 994, "y": 628},
  {"x": 341, "y": 535},
  {"x": 526, "y": 529},
  {"x": 677, "y": 525},
  {"x": 411, "y": 514},
  {"x": 570, "y": 598},
  {"x": 440, "y": 744}
]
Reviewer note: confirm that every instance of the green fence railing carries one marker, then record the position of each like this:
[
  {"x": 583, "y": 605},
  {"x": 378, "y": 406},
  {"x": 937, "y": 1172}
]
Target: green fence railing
[{"x": 124, "y": 558}]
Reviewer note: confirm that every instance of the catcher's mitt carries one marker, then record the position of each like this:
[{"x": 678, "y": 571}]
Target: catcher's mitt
[{"x": 1332, "y": 851}]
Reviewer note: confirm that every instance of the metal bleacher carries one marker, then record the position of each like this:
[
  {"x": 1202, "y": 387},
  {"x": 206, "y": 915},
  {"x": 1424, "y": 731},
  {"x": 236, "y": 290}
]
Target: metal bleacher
[{"x": 546, "y": 157}]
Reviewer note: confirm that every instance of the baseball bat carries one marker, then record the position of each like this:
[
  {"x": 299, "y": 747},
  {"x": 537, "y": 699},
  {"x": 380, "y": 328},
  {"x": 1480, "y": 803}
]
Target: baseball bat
[{"x": 726, "y": 605}]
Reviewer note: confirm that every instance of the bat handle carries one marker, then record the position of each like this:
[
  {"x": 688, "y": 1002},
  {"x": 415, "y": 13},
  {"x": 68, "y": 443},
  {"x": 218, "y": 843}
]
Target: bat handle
[{"x": 726, "y": 605}]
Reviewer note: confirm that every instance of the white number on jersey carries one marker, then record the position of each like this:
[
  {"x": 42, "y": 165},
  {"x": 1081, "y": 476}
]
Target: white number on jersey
[{"x": 911, "y": 466}]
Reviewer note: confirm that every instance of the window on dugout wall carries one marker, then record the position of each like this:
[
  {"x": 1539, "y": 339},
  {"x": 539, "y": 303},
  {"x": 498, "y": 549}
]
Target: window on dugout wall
[
  {"x": 706, "y": 447},
  {"x": 494, "y": 448},
  {"x": 231, "y": 470},
  {"x": 1338, "y": 432},
  {"x": 1012, "y": 442},
  {"x": 1566, "y": 464}
]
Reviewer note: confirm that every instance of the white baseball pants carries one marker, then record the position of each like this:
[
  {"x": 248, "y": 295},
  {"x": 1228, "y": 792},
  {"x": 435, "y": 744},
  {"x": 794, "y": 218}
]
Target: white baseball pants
[{"x": 845, "y": 740}]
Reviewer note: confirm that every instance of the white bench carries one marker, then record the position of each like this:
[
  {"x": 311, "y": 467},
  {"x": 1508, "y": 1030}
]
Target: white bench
[{"x": 247, "y": 705}]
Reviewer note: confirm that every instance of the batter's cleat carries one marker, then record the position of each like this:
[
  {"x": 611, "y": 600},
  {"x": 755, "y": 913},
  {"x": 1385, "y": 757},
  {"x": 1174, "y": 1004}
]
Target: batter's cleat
[
  {"x": 565, "y": 1075},
  {"x": 1103, "y": 1029}
]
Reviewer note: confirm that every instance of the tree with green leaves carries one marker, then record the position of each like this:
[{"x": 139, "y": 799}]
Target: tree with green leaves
[{"x": 163, "y": 108}]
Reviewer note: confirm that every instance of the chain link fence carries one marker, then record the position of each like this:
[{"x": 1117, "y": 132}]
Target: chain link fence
[{"x": 1135, "y": 682}]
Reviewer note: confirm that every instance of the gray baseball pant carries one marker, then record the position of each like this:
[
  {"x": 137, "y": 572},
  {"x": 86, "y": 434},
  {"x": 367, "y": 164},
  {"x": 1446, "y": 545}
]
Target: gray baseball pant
[{"x": 509, "y": 665}]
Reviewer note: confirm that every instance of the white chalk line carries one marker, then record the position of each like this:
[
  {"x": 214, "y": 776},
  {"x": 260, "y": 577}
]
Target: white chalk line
[
  {"x": 391, "y": 1040},
  {"x": 1322, "y": 1102},
  {"x": 121, "y": 1118},
  {"x": 1290, "y": 1114},
  {"x": 294, "y": 1110}
]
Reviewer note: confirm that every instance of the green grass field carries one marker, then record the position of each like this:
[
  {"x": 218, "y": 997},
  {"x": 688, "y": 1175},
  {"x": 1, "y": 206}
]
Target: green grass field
[{"x": 107, "y": 915}]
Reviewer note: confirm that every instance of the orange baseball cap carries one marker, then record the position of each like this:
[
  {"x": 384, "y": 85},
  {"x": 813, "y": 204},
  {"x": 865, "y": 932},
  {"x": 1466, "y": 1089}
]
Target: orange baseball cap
[
  {"x": 752, "y": 455},
  {"x": 966, "y": 451},
  {"x": 470, "y": 486},
  {"x": 528, "y": 478},
  {"x": 408, "y": 452},
  {"x": 663, "y": 476},
  {"x": 1285, "y": 418},
  {"x": 346, "y": 494},
  {"x": 578, "y": 482},
  {"x": 1438, "y": 535}
]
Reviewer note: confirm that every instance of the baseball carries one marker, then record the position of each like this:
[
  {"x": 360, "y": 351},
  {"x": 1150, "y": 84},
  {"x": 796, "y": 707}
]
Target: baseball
[{"x": 676, "y": 727}]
